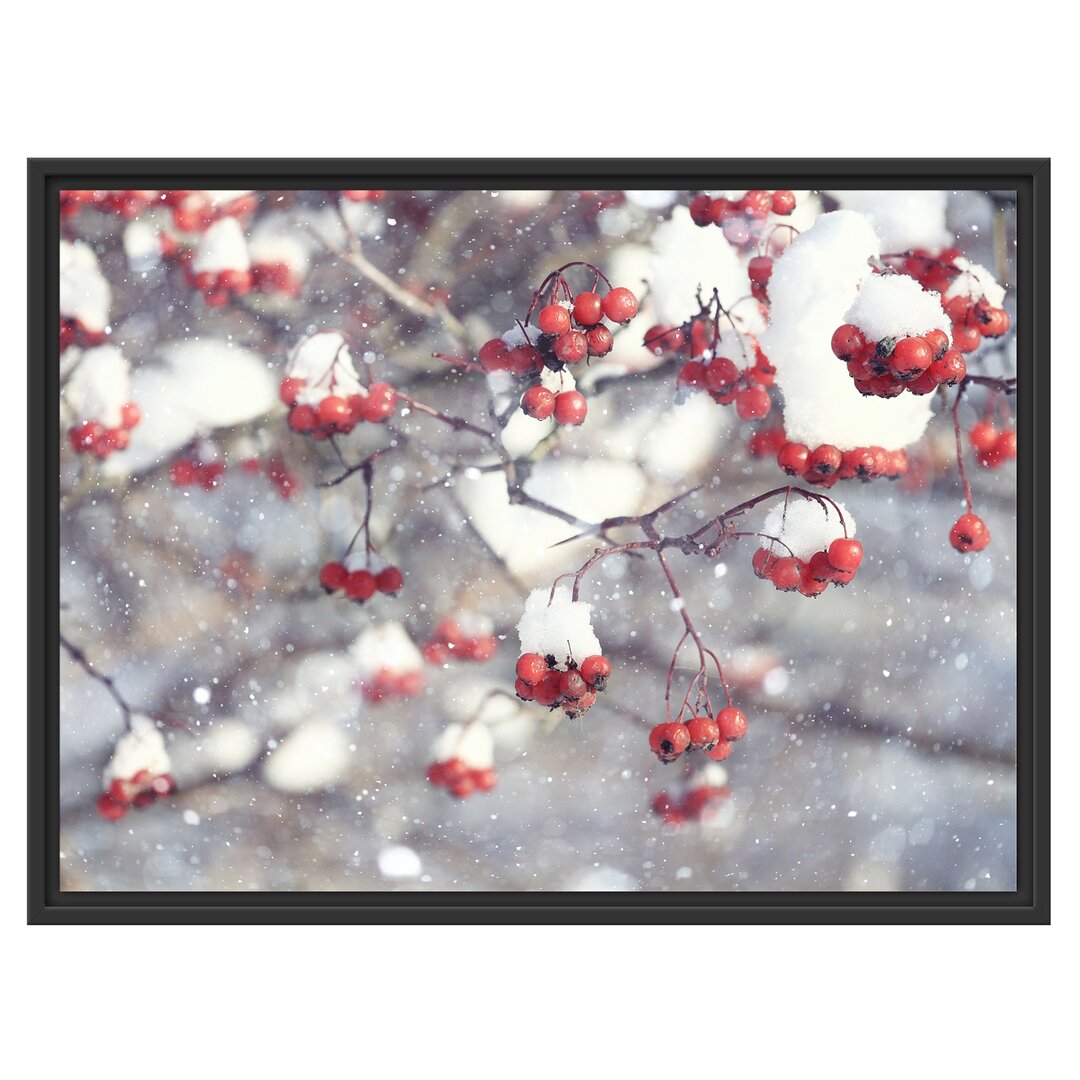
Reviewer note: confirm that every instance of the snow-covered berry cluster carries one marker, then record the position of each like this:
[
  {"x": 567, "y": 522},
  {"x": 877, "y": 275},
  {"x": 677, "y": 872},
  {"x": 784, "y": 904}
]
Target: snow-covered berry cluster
[
  {"x": 221, "y": 266},
  {"x": 388, "y": 663},
  {"x": 85, "y": 297},
  {"x": 974, "y": 304},
  {"x": 323, "y": 392},
  {"x": 468, "y": 636},
  {"x": 138, "y": 772},
  {"x": 699, "y": 799},
  {"x": 740, "y": 218},
  {"x": 808, "y": 548},
  {"x": 464, "y": 760},
  {"x": 823, "y": 465},
  {"x": 713, "y": 735},
  {"x": 993, "y": 446},
  {"x": 126, "y": 204},
  {"x": 359, "y": 576},
  {"x": 98, "y": 393},
  {"x": 555, "y": 625},
  {"x": 896, "y": 338}
]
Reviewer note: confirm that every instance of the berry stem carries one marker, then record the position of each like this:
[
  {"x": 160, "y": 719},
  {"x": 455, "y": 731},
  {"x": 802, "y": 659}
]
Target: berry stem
[{"x": 80, "y": 658}]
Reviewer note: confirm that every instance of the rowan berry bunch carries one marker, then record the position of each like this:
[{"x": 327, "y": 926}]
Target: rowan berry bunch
[
  {"x": 993, "y": 446},
  {"x": 886, "y": 368},
  {"x": 464, "y": 760},
  {"x": 713, "y": 736},
  {"x": 191, "y": 472},
  {"x": 139, "y": 791},
  {"x": 701, "y": 796},
  {"x": 568, "y": 686},
  {"x": 810, "y": 577},
  {"x": 825, "y": 464},
  {"x": 387, "y": 683},
  {"x": 741, "y": 219},
  {"x": 93, "y": 437},
  {"x": 467, "y": 637},
  {"x": 359, "y": 577}
]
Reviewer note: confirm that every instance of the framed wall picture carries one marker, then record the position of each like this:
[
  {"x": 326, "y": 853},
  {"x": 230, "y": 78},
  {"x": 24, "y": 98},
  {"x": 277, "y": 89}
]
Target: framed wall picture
[{"x": 539, "y": 540}]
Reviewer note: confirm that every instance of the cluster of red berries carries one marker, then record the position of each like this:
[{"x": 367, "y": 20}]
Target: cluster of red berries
[
  {"x": 969, "y": 533},
  {"x": 935, "y": 273},
  {"x": 128, "y": 204},
  {"x": 767, "y": 442},
  {"x": 812, "y": 576},
  {"x": 362, "y": 196},
  {"x": 713, "y": 735},
  {"x": 573, "y": 688},
  {"x": 459, "y": 779},
  {"x": 73, "y": 332},
  {"x": 276, "y": 277},
  {"x": 823, "y": 465},
  {"x": 91, "y": 437},
  {"x": 195, "y": 211},
  {"x": 387, "y": 683},
  {"x": 738, "y": 218},
  {"x": 334, "y": 414},
  {"x": 187, "y": 472},
  {"x": 568, "y": 407},
  {"x": 360, "y": 585},
  {"x": 973, "y": 320},
  {"x": 993, "y": 446},
  {"x": 888, "y": 367},
  {"x": 141, "y": 790},
  {"x": 217, "y": 288},
  {"x": 693, "y": 806},
  {"x": 451, "y": 642}
]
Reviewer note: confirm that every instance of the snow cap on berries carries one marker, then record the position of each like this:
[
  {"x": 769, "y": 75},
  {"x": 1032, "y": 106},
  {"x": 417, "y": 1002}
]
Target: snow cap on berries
[
  {"x": 471, "y": 744},
  {"x": 896, "y": 306},
  {"x": 710, "y": 775},
  {"x": 805, "y": 526},
  {"x": 385, "y": 647},
  {"x": 142, "y": 749},
  {"x": 100, "y": 385},
  {"x": 84, "y": 292},
  {"x": 222, "y": 247},
  {"x": 976, "y": 282},
  {"x": 275, "y": 240},
  {"x": 320, "y": 359},
  {"x": 551, "y": 629}
]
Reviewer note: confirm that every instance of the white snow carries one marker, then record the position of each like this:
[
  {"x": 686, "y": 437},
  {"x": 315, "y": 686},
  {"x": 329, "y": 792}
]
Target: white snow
[
  {"x": 313, "y": 756},
  {"x": 522, "y": 433},
  {"x": 141, "y": 748},
  {"x": 556, "y": 627},
  {"x": 813, "y": 285},
  {"x": 320, "y": 358},
  {"x": 277, "y": 239},
  {"x": 142, "y": 246},
  {"x": 229, "y": 746},
  {"x": 894, "y": 305},
  {"x": 385, "y": 645},
  {"x": 805, "y": 527},
  {"x": 472, "y": 743},
  {"x": 977, "y": 282},
  {"x": 398, "y": 862},
  {"x": 711, "y": 775},
  {"x": 902, "y": 219},
  {"x": 222, "y": 247},
  {"x": 85, "y": 294},
  {"x": 99, "y": 385}
]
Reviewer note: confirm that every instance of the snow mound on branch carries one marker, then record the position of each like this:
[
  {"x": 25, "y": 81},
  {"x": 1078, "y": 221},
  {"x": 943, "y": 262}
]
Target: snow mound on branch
[
  {"x": 311, "y": 757},
  {"x": 100, "y": 385},
  {"x": 687, "y": 257},
  {"x": 805, "y": 526},
  {"x": 84, "y": 292},
  {"x": 902, "y": 219},
  {"x": 222, "y": 247},
  {"x": 276, "y": 239},
  {"x": 142, "y": 246},
  {"x": 200, "y": 385},
  {"x": 321, "y": 360},
  {"x": 977, "y": 282},
  {"x": 385, "y": 647},
  {"x": 556, "y": 627},
  {"x": 141, "y": 748},
  {"x": 813, "y": 285},
  {"x": 894, "y": 305},
  {"x": 471, "y": 743}
]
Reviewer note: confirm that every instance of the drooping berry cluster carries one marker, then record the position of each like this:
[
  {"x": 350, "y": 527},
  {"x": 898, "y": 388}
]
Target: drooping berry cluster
[
  {"x": 92, "y": 437},
  {"x": 812, "y": 576},
  {"x": 712, "y": 735},
  {"x": 572, "y": 688},
  {"x": 973, "y": 319},
  {"x": 741, "y": 219},
  {"x": 140, "y": 790},
  {"x": 464, "y": 759},
  {"x": 459, "y": 779},
  {"x": 358, "y": 580},
  {"x": 321, "y": 415},
  {"x": 387, "y": 683},
  {"x": 466, "y": 638},
  {"x": 969, "y": 533},
  {"x": 993, "y": 446},
  {"x": 823, "y": 465},
  {"x": 886, "y": 368}
]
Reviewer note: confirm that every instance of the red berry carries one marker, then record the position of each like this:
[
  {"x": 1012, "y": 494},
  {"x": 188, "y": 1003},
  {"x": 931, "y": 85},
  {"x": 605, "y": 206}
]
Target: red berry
[
  {"x": 848, "y": 342},
  {"x": 493, "y": 355},
  {"x": 538, "y": 402},
  {"x": 668, "y": 741},
  {"x": 600, "y": 341},
  {"x": 783, "y": 202},
  {"x": 523, "y": 690},
  {"x": 531, "y": 668},
  {"x": 360, "y": 585},
  {"x": 389, "y": 580},
  {"x": 949, "y": 369},
  {"x": 380, "y": 402},
  {"x": 303, "y": 419},
  {"x": 845, "y": 553},
  {"x": 732, "y": 723},
  {"x": 571, "y": 684},
  {"x": 596, "y": 670},
  {"x": 110, "y": 809},
  {"x": 911, "y": 357},
  {"x": 756, "y": 204},
  {"x": 752, "y": 403},
  {"x": 572, "y": 347},
  {"x": 825, "y": 459},
  {"x": 549, "y": 689},
  {"x": 570, "y": 408},
  {"x": 620, "y": 305},
  {"x": 692, "y": 375},
  {"x": 588, "y": 309},
  {"x": 820, "y": 568},
  {"x": 759, "y": 269},
  {"x": 720, "y": 374},
  {"x": 130, "y": 415},
  {"x": 810, "y": 585},
  {"x": 485, "y": 779},
  {"x": 762, "y": 561},
  {"x": 703, "y": 732},
  {"x": 333, "y": 576},
  {"x": 553, "y": 319},
  {"x": 699, "y": 210},
  {"x": 333, "y": 411},
  {"x": 663, "y": 339},
  {"x": 966, "y": 338},
  {"x": 524, "y": 361},
  {"x": 982, "y": 436},
  {"x": 85, "y": 435},
  {"x": 938, "y": 341},
  {"x": 785, "y": 573},
  {"x": 793, "y": 458},
  {"x": 995, "y": 323},
  {"x": 464, "y": 787},
  {"x": 969, "y": 533},
  {"x": 720, "y": 751},
  {"x": 1006, "y": 444}
]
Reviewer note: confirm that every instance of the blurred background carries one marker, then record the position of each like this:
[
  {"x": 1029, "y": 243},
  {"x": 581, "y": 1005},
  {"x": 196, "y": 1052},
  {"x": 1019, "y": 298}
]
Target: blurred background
[{"x": 881, "y": 751}]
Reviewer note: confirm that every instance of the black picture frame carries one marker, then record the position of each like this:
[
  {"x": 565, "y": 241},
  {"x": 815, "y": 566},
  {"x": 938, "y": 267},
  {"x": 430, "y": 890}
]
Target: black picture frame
[{"x": 1030, "y": 903}]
